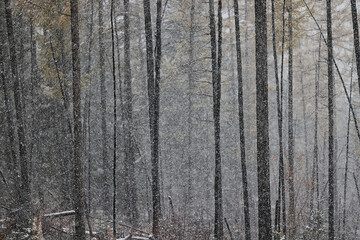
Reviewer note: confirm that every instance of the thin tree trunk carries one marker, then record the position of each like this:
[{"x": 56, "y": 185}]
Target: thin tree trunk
[
  {"x": 19, "y": 27},
  {"x": 78, "y": 169},
  {"x": 356, "y": 38},
  {"x": 279, "y": 112},
  {"x": 25, "y": 211},
  {"x": 104, "y": 135},
  {"x": 88, "y": 114},
  {"x": 292, "y": 223},
  {"x": 130, "y": 182},
  {"x": 241, "y": 124},
  {"x": 188, "y": 199},
  {"x": 347, "y": 156},
  {"x": 112, "y": 19},
  {"x": 357, "y": 188},
  {"x": 331, "y": 121},
  {"x": 305, "y": 126},
  {"x": 281, "y": 157},
  {"x": 156, "y": 103},
  {"x": 262, "y": 122},
  {"x": 315, "y": 174},
  {"x": 219, "y": 229}
]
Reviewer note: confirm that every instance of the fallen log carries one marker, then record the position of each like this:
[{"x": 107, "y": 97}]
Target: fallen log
[
  {"x": 60, "y": 214},
  {"x": 130, "y": 237}
]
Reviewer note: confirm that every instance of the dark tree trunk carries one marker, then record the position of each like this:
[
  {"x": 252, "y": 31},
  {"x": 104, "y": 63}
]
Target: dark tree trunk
[
  {"x": 216, "y": 82},
  {"x": 241, "y": 123},
  {"x": 219, "y": 229},
  {"x": 11, "y": 162},
  {"x": 87, "y": 135},
  {"x": 356, "y": 38},
  {"x": 262, "y": 122},
  {"x": 281, "y": 154},
  {"x": 292, "y": 223},
  {"x": 25, "y": 211},
  {"x": 150, "y": 85},
  {"x": 78, "y": 169},
  {"x": 156, "y": 109},
  {"x": 104, "y": 137},
  {"x": 331, "y": 120},
  {"x": 130, "y": 182},
  {"x": 279, "y": 114},
  {"x": 112, "y": 19}
]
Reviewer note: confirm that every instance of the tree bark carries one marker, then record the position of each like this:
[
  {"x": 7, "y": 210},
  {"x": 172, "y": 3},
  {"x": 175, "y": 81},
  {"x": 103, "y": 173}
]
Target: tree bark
[
  {"x": 104, "y": 137},
  {"x": 112, "y": 19},
  {"x": 153, "y": 95},
  {"x": 331, "y": 121},
  {"x": 262, "y": 122},
  {"x": 241, "y": 123},
  {"x": 130, "y": 182},
  {"x": 292, "y": 223},
  {"x": 87, "y": 135},
  {"x": 25, "y": 211},
  {"x": 216, "y": 57},
  {"x": 78, "y": 169},
  {"x": 315, "y": 173},
  {"x": 188, "y": 198},
  {"x": 281, "y": 157},
  {"x": 281, "y": 198}
]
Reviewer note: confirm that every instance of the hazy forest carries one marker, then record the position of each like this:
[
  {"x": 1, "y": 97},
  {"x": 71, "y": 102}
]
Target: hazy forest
[{"x": 179, "y": 119}]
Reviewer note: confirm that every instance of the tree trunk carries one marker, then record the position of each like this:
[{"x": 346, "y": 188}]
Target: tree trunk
[
  {"x": 305, "y": 127},
  {"x": 216, "y": 82},
  {"x": 87, "y": 135},
  {"x": 331, "y": 120},
  {"x": 112, "y": 19},
  {"x": 156, "y": 109},
  {"x": 314, "y": 182},
  {"x": 104, "y": 137},
  {"x": 188, "y": 199},
  {"x": 292, "y": 223},
  {"x": 281, "y": 157},
  {"x": 262, "y": 122},
  {"x": 155, "y": 186},
  {"x": 130, "y": 182},
  {"x": 347, "y": 156},
  {"x": 356, "y": 38},
  {"x": 357, "y": 188},
  {"x": 279, "y": 112},
  {"x": 11, "y": 162},
  {"x": 25, "y": 211},
  {"x": 241, "y": 124},
  {"x": 78, "y": 169}
]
